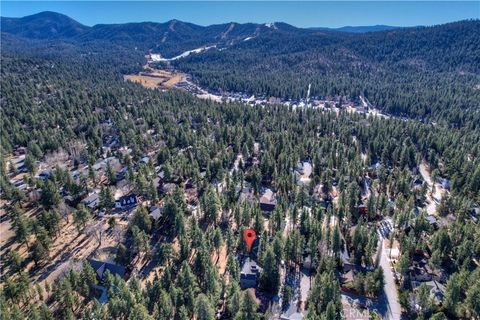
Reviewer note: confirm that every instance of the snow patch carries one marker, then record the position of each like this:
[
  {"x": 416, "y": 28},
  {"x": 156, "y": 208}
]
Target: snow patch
[{"x": 158, "y": 57}]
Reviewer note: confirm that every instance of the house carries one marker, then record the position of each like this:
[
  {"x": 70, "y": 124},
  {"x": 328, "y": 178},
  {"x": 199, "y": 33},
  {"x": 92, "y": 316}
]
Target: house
[
  {"x": 419, "y": 274},
  {"x": 155, "y": 212},
  {"x": 92, "y": 201},
  {"x": 268, "y": 201},
  {"x": 126, "y": 202},
  {"x": 167, "y": 188},
  {"x": 362, "y": 209},
  {"x": 249, "y": 274},
  {"x": 292, "y": 314},
  {"x": 121, "y": 174},
  {"x": 347, "y": 279},
  {"x": 418, "y": 182},
  {"x": 19, "y": 151},
  {"x": 436, "y": 290},
  {"x": 44, "y": 175},
  {"x": 475, "y": 213},
  {"x": 307, "y": 261},
  {"x": 303, "y": 172},
  {"x": 191, "y": 195},
  {"x": 431, "y": 220},
  {"x": 445, "y": 183},
  {"x": 100, "y": 268},
  {"x": 19, "y": 184},
  {"x": 320, "y": 192}
]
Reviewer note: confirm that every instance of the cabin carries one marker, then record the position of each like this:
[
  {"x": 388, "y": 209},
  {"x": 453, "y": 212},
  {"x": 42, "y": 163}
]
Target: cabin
[
  {"x": 166, "y": 188},
  {"x": 191, "y": 195},
  {"x": 249, "y": 274},
  {"x": 19, "y": 151},
  {"x": 419, "y": 274},
  {"x": 91, "y": 202},
  {"x": 100, "y": 268},
  {"x": 436, "y": 290},
  {"x": 155, "y": 212},
  {"x": 121, "y": 174},
  {"x": 126, "y": 202},
  {"x": 307, "y": 261},
  {"x": 432, "y": 221},
  {"x": 347, "y": 280},
  {"x": 268, "y": 201},
  {"x": 292, "y": 314},
  {"x": 445, "y": 183},
  {"x": 362, "y": 209},
  {"x": 44, "y": 175}
]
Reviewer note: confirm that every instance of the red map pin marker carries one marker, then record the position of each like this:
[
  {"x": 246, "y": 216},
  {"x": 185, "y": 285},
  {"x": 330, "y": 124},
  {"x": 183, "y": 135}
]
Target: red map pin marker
[{"x": 249, "y": 236}]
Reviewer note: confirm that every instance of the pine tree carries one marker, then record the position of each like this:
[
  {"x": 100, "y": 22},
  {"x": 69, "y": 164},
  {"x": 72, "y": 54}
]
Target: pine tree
[
  {"x": 112, "y": 179},
  {"x": 249, "y": 308},
  {"x": 106, "y": 198},
  {"x": 270, "y": 279},
  {"x": 50, "y": 196},
  {"x": 204, "y": 309}
]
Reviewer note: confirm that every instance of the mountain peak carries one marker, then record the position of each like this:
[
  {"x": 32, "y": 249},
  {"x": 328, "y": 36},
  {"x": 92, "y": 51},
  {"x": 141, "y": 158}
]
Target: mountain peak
[{"x": 43, "y": 25}]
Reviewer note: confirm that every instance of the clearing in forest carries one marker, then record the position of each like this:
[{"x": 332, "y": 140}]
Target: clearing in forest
[{"x": 155, "y": 78}]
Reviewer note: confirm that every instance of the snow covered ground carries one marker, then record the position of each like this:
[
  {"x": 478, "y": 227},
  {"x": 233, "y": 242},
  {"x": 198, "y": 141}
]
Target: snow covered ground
[{"x": 159, "y": 58}]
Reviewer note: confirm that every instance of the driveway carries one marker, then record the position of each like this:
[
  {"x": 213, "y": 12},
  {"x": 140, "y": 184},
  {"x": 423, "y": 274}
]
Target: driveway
[{"x": 393, "y": 310}]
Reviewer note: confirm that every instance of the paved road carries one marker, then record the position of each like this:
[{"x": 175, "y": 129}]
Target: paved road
[{"x": 394, "y": 310}]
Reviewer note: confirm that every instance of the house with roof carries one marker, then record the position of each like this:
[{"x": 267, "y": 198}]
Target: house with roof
[
  {"x": 92, "y": 201},
  {"x": 249, "y": 274},
  {"x": 44, "y": 175},
  {"x": 445, "y": 183},
  {"x": 436, "y": 290},
  {"x": 475, "y": 213},
  {"x": 166, "y": 188},
  {"x": 303, "y": 172},
  {"x": 126, "y": 202},
  {"x": 346, "y": 280},
  {"x": 419, "y": 274},
  {"x": 191, "y": 195},
  {"x": 100, "y": 269},
  {"x": 268, "y": 201},
  {"x": 431, "y": 221},
  {"x": 292, "y": 314},
  {"x": 155, "y": 212},
  {"x": 320, "y": 193}
]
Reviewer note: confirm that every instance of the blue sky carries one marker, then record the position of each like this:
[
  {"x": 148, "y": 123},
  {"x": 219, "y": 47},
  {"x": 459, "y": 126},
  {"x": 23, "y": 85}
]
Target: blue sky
[{"x": 301, "y": 14}]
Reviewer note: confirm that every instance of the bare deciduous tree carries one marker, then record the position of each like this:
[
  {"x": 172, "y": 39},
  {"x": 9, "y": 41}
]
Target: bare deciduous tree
[{"x": 96, "y": 230}]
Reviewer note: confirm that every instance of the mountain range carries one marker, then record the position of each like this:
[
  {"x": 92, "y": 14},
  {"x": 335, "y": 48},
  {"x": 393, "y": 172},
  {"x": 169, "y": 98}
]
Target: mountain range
[
  {"x": 151, "y": 36},
  {"x": 50, "y": 25}
]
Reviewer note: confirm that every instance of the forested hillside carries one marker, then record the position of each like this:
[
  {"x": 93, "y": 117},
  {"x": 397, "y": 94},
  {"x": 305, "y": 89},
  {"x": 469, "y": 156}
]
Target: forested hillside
[
  {"x": 424, "y": 73},
  {"x": 429, "y": 73},
  {"x": 157, "y": 187}
]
